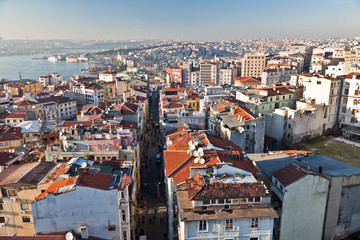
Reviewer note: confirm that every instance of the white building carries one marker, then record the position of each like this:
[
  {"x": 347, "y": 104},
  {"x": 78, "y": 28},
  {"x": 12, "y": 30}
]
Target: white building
[
  {"x": 226, "y": 76},
  {"x": 271, "y": 76},
  {"x": 59, "y": 108},
  {"x": 93, "y": 92},
  {"x": 350, "y": 104},
  {"x": 92, "y": 205},
  {"x": 107, "y": 76},
  {"x": 209, "y": 73},
  {"x": 289, "y": 126},
  {"x": 323, "y": 89},
  {"x": 195, "y": 78},
  {"x": 212, "y": 207}
]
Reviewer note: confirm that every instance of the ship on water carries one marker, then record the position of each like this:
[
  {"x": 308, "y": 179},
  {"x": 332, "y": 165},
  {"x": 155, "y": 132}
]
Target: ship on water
[{"x": 52, "y": 59}]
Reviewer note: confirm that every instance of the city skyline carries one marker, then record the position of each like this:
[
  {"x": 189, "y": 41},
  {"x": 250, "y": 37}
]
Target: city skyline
[{"x": 200, "y": 20}]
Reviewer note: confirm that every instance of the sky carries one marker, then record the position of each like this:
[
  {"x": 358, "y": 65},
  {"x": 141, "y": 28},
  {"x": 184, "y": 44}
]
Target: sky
[{"x": 174, "y": 19}]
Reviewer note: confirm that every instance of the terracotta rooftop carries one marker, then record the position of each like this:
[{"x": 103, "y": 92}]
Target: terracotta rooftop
[
  {"x": 26, "y": 103},
  {"x": 292, "y": 173},
  {"x": 54, "y": 188}
]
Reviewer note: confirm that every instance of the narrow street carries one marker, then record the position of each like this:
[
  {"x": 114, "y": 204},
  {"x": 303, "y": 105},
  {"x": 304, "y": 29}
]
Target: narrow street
[{"x": 152, "y": 211}]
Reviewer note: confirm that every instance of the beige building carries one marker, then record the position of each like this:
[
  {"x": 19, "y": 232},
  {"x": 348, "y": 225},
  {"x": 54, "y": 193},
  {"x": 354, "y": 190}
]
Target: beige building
[
  {"x": 253, "y": 65},
  {"x": 20, "y": 184}
]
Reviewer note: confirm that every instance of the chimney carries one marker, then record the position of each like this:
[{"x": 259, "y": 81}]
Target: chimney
[{"x": 320, "y": 169}]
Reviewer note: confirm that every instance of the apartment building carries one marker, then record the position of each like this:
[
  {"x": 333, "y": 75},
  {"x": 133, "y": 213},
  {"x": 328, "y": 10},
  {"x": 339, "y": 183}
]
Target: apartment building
[
  {"x": 209, "y": 73},
  {"x": 253, "y": 65}
]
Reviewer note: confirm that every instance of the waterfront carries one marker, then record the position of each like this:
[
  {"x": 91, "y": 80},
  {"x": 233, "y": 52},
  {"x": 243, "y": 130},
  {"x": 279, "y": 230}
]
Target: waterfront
[{"x": 33, "y": 68}]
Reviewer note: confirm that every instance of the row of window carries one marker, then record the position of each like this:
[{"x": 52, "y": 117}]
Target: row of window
[
  {"x": 229, "y": 224},
  {"x": 6, "y": 144},
  {"x": 231, "y": 201},
  {"x": 24, "y": 219}
]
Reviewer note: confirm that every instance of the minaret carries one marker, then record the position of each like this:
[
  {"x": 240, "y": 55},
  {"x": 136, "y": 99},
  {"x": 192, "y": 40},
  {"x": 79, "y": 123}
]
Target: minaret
[{"x": 19, "y": 75}]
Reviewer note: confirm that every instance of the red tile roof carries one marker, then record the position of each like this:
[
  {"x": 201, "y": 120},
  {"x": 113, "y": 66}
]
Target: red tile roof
[
  {"x": 94, "y": 180},
  {"x": 231, "y": 190},
  {"x": 54, "y": 188},
  {"x": 245, "y": 113},
  {"x": 351, "y": 75},
  {"x": 172, "y": 105},
  {"x": 292, "y": 173},
  {"x": 25, "y": 103},
  {"x": 127, "y": 108},
  {"x": 175, "y": 89}
]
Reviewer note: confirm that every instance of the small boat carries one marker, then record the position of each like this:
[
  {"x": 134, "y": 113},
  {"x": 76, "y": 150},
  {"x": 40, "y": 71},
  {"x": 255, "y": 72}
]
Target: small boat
[{"x": 52, "y": 59}]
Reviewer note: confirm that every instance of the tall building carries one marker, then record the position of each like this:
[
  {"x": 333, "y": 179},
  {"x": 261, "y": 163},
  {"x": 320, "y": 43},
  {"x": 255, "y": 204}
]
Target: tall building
[
  {"x": 209, "y": 73},
  {"x": 253, "y": 65}
]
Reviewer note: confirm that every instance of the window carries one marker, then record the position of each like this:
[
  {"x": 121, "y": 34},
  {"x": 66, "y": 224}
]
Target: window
[
  {"x": 123, "y": 215},
  {"x": 1, "y": 206},
  {"x": 355, "y": 102},
  {"x": 257, "y": 199},
  {"x": 254, "y": 238},
  {"x": 124, "y": 235},
  {"x": 203, "y": 225},
  {"x": 221, "y": 201},
  {"x": 229, "y": 224},
  {"x": 254, "y": 222},
  {"x": 2, "y": 220},
  {"x": 26, "y": 219},
  {"x": 24, "y": 206},
  {"x": 242, "y": 200},
  {"x": 212, "y": 201},
  {"x": 12, "y": 193},
  {"x": 344, "y": 109},
  {"x": 235, "y": 201},
  {"x": 228, "y": 200},
  {"x": 206, "y": 202},
  {"x": 250, "y": 200}
]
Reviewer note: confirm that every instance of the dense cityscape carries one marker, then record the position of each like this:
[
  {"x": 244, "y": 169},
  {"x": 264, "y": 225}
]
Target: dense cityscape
[{"x": 244, "y": 139}]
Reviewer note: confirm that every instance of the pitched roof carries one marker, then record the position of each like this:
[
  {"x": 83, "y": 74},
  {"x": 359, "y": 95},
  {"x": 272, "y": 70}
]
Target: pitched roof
[
  {"x": 6, "y": 157},
  {"x": 54, "y": 188},
  {"x": 292, "y": 173},
  {"x": 231, "y": 190},
  {"x": 94, "y": 180},
  {"x": 172, "y": 105},
  {"x": 25, "y": 102},
  {"x": 57, "y": 99},
  {"x": 127, "y": 108},
  {"x": 245, "y": 113},
  {"x": 15, "y": 172}
]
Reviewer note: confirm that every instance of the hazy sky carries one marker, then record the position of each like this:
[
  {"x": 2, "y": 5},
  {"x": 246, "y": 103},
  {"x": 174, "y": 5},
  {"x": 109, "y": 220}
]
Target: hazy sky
[{"x": 174, "y": 19}]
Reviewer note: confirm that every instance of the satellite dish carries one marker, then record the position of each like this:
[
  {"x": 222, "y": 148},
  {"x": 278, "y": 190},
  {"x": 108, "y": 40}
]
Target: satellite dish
[
  {"x": 69, "y": 236},
  {"x": 201, "y": 152},
  {"x": 192, "y": 147},
  {"x": 196, "y": 153},
  {"x": 202, "y": 161},
  {"x": 104, "y": 122},
  {"x": 83, "y": 165},
  {"x": 196, "y": 160}
]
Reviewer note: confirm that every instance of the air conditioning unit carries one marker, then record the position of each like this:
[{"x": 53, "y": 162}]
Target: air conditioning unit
[
  {"x": 13, "y": 199},
  {"x": 22, "y": 212}
]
